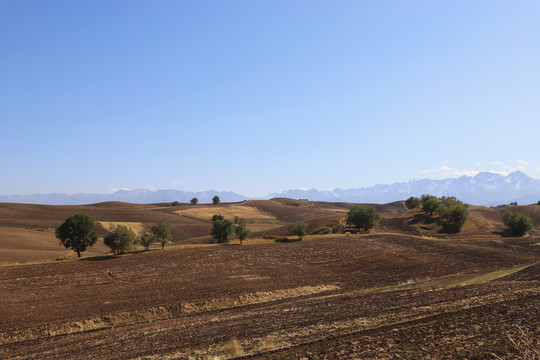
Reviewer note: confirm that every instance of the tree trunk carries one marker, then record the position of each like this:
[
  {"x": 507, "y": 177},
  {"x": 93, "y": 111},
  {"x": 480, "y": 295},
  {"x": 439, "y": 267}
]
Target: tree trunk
[
  {"x": 78, "y": 254},
  {"x": 162, "y": 246}
]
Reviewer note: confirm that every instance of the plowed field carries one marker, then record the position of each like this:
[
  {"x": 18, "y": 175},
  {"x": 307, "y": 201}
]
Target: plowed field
[{"x": 337, "y": 296}]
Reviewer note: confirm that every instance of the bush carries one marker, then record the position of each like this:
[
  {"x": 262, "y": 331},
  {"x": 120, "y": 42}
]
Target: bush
[
  {"x": 412, "y": 203},
  {"x": 518, "y": 223},
  {"x": 364, "y": 218}
]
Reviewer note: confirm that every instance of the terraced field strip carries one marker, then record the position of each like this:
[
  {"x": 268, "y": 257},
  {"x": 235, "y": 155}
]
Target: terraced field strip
[{"x": 157, "y": 313}]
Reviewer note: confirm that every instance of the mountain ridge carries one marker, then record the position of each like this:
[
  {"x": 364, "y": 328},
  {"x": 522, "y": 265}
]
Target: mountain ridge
[{"x": 485, "y": 188}]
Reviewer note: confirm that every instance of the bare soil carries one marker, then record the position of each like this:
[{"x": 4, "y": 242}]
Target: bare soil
[{"x": 335, "y": 296}]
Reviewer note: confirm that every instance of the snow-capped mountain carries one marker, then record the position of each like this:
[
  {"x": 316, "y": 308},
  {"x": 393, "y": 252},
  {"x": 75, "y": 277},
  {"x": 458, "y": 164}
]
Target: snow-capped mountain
[{"x": 485, "y": 188}]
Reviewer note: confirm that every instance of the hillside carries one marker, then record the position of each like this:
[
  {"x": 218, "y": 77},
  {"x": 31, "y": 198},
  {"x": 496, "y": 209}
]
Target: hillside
[{"x": 27, "y": 231}]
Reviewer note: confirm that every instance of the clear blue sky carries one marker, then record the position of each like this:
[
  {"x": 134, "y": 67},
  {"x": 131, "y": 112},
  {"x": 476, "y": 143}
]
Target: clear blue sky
[{"x": 262, "y": 96}]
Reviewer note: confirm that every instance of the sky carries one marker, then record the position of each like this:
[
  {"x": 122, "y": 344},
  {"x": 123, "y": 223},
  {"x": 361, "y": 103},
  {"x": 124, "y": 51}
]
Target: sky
[{"x": 263, "y": 96}]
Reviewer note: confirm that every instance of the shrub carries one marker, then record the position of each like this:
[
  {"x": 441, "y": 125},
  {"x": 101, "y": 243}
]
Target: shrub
[
  {"x": 518, "y": 223},
  {"x": 364, "y": 218}
]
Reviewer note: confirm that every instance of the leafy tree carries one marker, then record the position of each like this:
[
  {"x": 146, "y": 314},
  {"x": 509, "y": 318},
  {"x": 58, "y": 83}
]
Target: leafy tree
[
  {"x": 412, "y": 203},
  {"x": 453, "y": 215},
  {"x": 241, "y": 229},
  {"x": 77, "y": 233},
  {"x": 364, "y": 218},
  {"x": 215, "y": 200},
  {"x": 146, "y": 239},
  {"x": 425, "y": 198},
  {"x": 299, "y": 229},
  {"x": 538, "y": 203},
  {"x": 222, "y": 230},
  {"x": 120, "y": 238},
  {"x": 518, "y": 223},
  {"x": 194, "y": 201},
  {"x": 162, "y": 232},
  {"x": 430, "y": 205},
  {"x": 175, "y": 203}
]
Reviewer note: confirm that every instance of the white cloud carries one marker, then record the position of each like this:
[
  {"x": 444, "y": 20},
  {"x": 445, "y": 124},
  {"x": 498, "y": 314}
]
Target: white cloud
[
  {"x": 303, "y": 189},
  {"x": 152, "y": 188},
  {"x": 176, "y": 182},
  {"x": 446, "y": 168},
  {"x": 496, "y": 163},
  {"x": 523, "y": 162}
]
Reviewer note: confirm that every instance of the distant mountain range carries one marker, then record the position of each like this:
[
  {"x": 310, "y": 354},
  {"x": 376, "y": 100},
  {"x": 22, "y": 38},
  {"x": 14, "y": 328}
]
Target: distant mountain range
[{"x": 482, "y": 189}]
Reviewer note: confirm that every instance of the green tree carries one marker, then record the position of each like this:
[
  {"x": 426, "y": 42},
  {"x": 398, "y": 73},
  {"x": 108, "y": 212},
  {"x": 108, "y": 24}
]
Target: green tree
[
  {"x": 538, "y": 203},
  {"x": 146, "y": 238},
  {"x": 120, "y": 238},
  {"x": 412, "y": 203},
  {"x": 215, "y": 200},
  {"x": 175, "y": 203},
  {"x": 430, "y": 205},
  {"x": 194, "y": 201},
  {"x": 222, "y": 229},
  {"x": 453, "y": 215},
  {"x": 364, "y": 218},
  {"x": 77, "y": 233},
  {"x": 518, "y": 223},
  {"x": 162, "y": 232},
  {"x": 241, "y": 229},
  {"x": 299, "y": 229}
]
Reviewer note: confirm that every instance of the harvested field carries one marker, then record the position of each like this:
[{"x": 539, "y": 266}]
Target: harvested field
[
  {"x": 228, "y": 212},
  {"x": 335, "y": 296}
]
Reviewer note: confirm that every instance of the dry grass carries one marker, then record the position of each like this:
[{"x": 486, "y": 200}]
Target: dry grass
[
  {"x": 228, "y": 212},
  {"x": 136, "y": 227}
]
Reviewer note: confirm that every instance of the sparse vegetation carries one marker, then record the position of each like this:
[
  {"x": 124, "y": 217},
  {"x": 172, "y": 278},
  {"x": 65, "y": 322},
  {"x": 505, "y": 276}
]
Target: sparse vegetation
[
  {"x": 175, "y": 203},
  {"x": 120, "y": 238},
  {"x": 162, "y": 232},
  {"x": 363, "y": 218},
  {"x": 517, "y": 223},
  {"x": 222, "y": 229},
  {"x": 194, "y": 201},
  {"x": 299, "y": 229},
  {"x": 77, "y": 233},
  {"x": 216, "y": 200},
  {"x": 412, "y": 203}
]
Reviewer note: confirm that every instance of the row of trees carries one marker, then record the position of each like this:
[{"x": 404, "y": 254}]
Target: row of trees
[
  {"x": 195, "y": 201},
  {"x": 453, "y": 214},
  {"x": 77, "y": 233}
]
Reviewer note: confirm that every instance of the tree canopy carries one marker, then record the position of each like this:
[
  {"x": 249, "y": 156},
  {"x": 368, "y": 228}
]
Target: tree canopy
[
  {"x": 146, "y": 238},
  {"x": 77, "y": 233},
  {"x": 194, "y": 201},
  {"x": 241, "y": 229},
  {"x": 120, "y": 238},
  {"x": 364, "y": 218},
  {"x": 222, "y": 229},
  {"x": 452, "y": 214},
  {"x": 162, "y": 232},
  {"x": 430, "y": 205},
  {"x": 215, "y": 200},
  {"x": 412, "y": 203}
]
